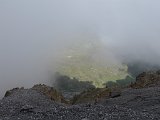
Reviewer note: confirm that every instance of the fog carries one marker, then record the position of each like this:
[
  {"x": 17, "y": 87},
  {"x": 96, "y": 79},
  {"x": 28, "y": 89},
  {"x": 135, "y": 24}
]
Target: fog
[{"x": 33, "y": 33}]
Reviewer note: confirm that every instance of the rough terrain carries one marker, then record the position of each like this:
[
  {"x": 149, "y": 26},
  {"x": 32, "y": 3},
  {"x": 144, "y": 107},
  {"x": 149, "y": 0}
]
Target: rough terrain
[
  {"x": 27, "y": 104},
  {"x": 131, "y": 104}
]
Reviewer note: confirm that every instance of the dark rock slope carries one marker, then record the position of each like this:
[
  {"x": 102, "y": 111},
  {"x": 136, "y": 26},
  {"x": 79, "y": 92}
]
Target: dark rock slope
[
  {"x": 39, "y": 103},
  {"x": 28, "y": 104}
]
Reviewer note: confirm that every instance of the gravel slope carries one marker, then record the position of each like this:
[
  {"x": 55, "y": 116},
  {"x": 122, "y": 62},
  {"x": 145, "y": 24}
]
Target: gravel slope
[{"x": 134, "y": 104}]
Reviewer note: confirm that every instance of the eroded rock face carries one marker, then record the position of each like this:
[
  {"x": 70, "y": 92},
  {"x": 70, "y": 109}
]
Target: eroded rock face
[
  {"x": 10, "y": 92},
  {"x": 50, "y": 92},
  {"x": 147, "y": 79},
  {"x": 92, "y": 95},
  {"x": 96, "y": 95}
]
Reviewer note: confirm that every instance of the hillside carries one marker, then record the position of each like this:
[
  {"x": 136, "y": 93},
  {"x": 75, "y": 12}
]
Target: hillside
[{"x": 45, "y": 103}]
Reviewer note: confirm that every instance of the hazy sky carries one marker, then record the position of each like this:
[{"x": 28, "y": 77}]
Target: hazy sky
[{"x": 33, "y": 32}]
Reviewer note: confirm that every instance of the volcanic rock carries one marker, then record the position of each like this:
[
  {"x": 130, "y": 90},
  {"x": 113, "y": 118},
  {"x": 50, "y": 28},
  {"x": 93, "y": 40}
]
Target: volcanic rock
[
  {"x": 50, "y": 92},
  {"x": 147, "y": 79}
]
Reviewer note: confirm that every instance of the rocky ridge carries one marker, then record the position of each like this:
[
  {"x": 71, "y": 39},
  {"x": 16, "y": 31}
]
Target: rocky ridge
[{"x": 132, "y": 103}]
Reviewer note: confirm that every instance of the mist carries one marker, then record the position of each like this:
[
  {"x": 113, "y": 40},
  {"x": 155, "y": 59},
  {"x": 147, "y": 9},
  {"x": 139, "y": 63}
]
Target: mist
[{"x": 34, "y": 33}]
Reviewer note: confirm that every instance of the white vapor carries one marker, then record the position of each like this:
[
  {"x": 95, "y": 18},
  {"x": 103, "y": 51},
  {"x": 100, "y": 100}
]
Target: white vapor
[{"x": 34, "y": 32}]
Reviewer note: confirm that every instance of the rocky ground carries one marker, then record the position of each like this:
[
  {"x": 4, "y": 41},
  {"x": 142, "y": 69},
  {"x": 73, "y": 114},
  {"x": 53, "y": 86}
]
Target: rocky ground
[
  {"x": 34, "y": 104},
  {"x": 27, "y": 104}
]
